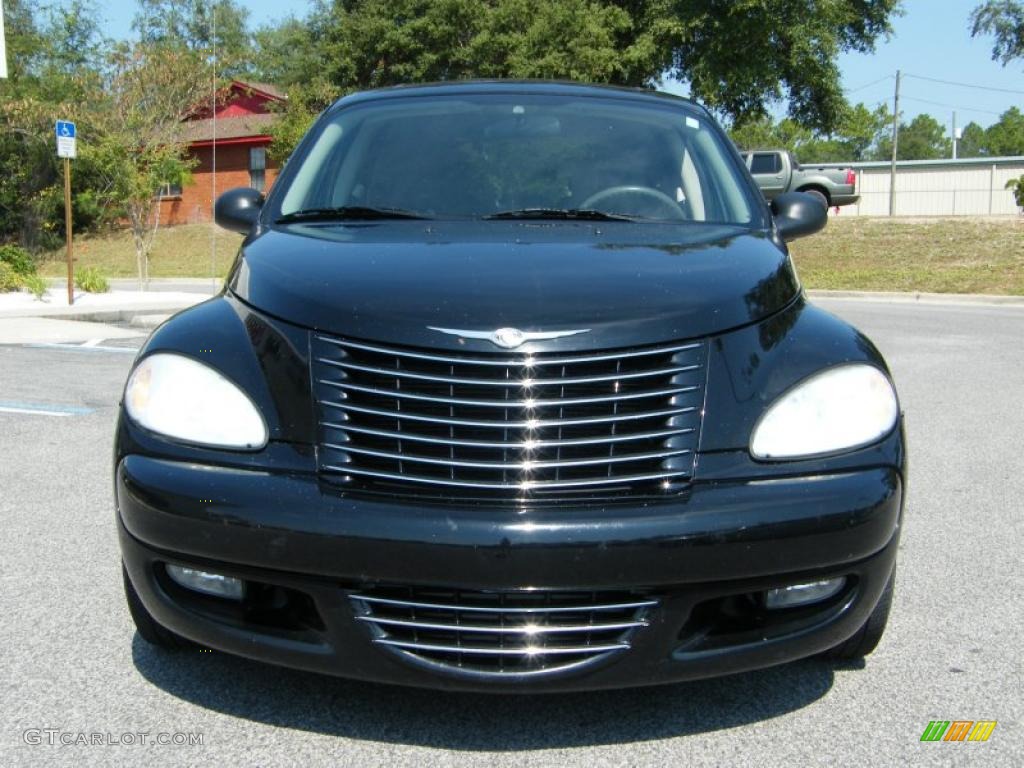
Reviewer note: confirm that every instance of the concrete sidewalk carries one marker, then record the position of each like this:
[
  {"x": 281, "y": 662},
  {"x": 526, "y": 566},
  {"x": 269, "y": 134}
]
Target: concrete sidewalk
[
  {"x": 116, "y": 306},
  {"x": 51, "y": 330},
  {"x": 204, "y": 285}
]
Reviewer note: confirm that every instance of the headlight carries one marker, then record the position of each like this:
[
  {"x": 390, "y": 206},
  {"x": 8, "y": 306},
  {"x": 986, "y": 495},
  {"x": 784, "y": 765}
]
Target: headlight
[
  {"x": 184, "y": 399},
  {"x": 841, "y": 408}
]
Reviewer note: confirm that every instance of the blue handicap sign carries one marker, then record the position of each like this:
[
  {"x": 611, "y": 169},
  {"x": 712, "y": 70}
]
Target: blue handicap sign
[{"x": 65, "y": 129}]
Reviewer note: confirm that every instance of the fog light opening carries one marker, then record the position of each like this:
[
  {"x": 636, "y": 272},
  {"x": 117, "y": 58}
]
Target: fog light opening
[
  {"x": 207, "y": 583},
  {"x": 801, "y": 594}
]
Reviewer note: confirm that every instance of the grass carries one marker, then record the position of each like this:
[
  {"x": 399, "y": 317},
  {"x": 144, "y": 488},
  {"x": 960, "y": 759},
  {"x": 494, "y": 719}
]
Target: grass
[
  {"x": 182, "y": 251},
  {"x": 963, "y": 255}
]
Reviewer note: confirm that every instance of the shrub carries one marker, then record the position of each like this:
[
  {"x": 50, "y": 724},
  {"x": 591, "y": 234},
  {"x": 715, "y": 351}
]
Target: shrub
[
  {"x": 36, "y": 285},
  {"x": 91, "y": 281},
  {"x": 9, "y": 279},
  {"x": 18, "y": 259},
  {"x": 1017, "y": 185}
]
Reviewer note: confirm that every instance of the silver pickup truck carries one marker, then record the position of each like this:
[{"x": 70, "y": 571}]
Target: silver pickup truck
[{"x": 777, "y": 171}]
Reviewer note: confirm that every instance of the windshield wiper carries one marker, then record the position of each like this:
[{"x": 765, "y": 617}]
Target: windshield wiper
[
  {"x": 579, "y": 214},
  {"x": 347, "y": 212}
]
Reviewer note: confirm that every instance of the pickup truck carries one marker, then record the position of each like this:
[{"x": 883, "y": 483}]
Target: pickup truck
[{"x": 777, "y": 171}]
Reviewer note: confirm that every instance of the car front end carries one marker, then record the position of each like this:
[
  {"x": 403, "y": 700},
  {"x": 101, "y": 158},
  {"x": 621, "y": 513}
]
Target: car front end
[{"x": 513, "y": 452}]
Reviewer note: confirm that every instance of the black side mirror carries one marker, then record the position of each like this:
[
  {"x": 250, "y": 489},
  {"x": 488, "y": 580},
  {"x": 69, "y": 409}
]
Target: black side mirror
[
  {"x": 238, "y": 209},
  {"x": 798, "y": 214}
]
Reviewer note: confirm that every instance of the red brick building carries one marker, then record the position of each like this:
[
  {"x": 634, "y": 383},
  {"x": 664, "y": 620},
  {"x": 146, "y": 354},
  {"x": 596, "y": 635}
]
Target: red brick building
[{"x": 230, "y": 144}]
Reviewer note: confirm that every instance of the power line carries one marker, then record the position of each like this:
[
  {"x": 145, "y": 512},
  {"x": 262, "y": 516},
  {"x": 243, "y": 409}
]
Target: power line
[
  {"x": 964, "y": 85},
  {"x": 868, "y": 85},
  {"x": 951, "y": 107}
]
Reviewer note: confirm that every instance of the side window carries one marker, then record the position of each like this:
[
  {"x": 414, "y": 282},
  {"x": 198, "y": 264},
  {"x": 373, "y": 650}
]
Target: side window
[
  {"x": 765, "y": 163},
  {"x": 257, "y": 168},
  {"x": 169, "y": 190}
]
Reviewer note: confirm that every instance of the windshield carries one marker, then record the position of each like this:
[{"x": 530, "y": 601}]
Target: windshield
[{"x": 515, "y": 155}]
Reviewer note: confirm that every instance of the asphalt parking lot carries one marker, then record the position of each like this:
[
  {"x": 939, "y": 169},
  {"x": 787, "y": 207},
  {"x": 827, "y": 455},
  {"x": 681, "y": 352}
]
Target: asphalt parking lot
[{"x": 70, "y": 659}]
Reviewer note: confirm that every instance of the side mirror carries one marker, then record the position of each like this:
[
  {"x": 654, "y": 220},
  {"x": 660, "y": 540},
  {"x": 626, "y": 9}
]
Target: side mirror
[
  {"x": 238, "y": 209},
  {"x": 798, "y": 214}
]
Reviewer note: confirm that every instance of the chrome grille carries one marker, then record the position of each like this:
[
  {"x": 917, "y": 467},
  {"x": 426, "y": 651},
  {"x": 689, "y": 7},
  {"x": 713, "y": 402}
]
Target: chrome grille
[
  {"x": 508, "y": 424},
  {"x": 501, "y": 633}
]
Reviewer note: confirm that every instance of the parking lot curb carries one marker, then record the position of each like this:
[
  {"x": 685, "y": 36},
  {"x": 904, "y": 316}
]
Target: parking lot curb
[{"x": 920, "y": 298}]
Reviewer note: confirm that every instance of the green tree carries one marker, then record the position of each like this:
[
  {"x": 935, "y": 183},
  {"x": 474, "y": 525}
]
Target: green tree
[
  {"x": 860, "y": 129},
  {"x": 289, "y": 54},
  {"x": 758, "y": 133},
  {"x": 1006, "y": 137},
  {"x": 137, "y": 142},
  {"x": 286, "y": 53},
  {"x": 973, "y": 141},
  {"x": 738, "y": 56},
  {"x": 55, "y": 71},
  {"x": 923, "y": 139},
  {"x": 1004, "y": 21},
  {"x": 202, "y": 26}
]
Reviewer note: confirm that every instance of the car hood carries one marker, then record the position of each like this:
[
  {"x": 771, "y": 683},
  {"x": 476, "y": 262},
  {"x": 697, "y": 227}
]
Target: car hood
[{"x": 628, "y": 284}]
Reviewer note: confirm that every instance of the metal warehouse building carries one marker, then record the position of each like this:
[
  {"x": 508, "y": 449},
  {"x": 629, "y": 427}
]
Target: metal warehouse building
[{"x": 969, "y": 187}]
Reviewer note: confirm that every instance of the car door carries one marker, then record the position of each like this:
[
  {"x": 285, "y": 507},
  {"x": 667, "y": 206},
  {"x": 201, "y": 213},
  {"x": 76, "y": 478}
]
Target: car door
[{"x": 767, "y": 170}]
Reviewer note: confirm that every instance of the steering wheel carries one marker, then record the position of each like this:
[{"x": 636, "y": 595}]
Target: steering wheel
[{"x": 650, "y": 193}]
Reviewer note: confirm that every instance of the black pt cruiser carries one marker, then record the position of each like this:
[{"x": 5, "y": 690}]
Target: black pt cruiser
[{"x": 512, "y": 387}]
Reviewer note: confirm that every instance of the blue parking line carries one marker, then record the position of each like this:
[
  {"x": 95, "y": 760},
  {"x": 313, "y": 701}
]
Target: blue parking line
[{"x": 42, "y": 409}]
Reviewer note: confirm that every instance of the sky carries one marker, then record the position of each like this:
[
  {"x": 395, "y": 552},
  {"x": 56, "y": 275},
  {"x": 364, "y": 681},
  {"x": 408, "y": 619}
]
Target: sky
[{"x": 930, "y": 40}]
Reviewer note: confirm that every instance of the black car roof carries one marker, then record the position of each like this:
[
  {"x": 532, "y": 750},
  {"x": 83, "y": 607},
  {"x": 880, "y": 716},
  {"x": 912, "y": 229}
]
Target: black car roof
[{"x": 517, "y": 86}]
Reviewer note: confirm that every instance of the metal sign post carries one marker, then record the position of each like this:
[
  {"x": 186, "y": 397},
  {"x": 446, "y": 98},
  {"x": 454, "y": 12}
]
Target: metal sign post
[{"x": 66, "y": 148}]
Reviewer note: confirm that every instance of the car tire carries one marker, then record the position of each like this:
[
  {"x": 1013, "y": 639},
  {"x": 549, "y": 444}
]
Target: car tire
[
  {"x": 866, "y": 639},
  {"x": 148, "y": 629},
  {"x": 817, "y": 195}
]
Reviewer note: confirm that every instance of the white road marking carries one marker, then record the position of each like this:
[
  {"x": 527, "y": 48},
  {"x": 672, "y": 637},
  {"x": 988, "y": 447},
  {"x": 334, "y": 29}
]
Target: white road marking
[
  {"x": 87, "y": 347},
  {"x": 41, "y": 409}
]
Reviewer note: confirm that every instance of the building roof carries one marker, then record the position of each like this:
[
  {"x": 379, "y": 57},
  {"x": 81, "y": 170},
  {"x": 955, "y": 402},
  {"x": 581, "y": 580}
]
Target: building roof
[
  {"x": 266, "y": 89},
  {"x": 228, "y": 128},
  {"x": 941, "y": 163}
]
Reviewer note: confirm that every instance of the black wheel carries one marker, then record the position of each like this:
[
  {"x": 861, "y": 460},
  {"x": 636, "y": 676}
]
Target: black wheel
[
  {"x": 819, "y": 196},
  {"x": 865, "y": 639},
  {"x": 149, "y": 630}
]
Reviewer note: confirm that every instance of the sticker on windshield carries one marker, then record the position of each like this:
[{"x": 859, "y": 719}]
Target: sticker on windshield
[{"x": 692, "y": 122}]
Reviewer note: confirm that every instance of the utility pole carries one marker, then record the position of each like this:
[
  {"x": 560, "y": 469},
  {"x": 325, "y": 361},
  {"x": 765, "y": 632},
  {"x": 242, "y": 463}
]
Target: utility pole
[
  {"x": 895, "y": 146},
  {"x": 3, "y": 44},
  {"x": 955, "y": 136}
]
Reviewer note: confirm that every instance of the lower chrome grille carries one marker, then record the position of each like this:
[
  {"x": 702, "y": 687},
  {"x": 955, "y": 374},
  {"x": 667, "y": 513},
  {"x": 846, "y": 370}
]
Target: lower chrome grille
[
  {"x": 501, "y": 633},
  {"x": 508, "y": 424}
]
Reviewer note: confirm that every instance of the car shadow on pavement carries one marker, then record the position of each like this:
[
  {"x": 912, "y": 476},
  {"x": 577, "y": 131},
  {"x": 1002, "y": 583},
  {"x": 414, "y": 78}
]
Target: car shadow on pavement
[{"x": 470, "y": 721}]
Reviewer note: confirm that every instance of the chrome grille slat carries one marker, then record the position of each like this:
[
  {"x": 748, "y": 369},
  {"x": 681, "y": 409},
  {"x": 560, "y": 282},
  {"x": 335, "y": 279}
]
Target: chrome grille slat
[
  {"x": 527, "y": 360},
  {"x": 529, "y": 403},
  {"x": 500, "y": 634},
  {"x": 515, "y": 651},
  {"x": 629, "y": 605},
  {"x": 506, "y": 630},
  {"x": 528, "y": 424},
  {"x": 520, "y": 485},
  {"x": 501, "y": 425},
  {"x": 518, "y": 466},
  {"x": 506, "y": 383}
]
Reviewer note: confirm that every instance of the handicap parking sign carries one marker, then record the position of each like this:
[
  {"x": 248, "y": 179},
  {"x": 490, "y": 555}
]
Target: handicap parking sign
[{"x": 66, "y": 138}]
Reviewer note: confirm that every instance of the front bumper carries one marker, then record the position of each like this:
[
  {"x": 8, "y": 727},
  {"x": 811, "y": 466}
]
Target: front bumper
[{"x": 722, "y": 539}]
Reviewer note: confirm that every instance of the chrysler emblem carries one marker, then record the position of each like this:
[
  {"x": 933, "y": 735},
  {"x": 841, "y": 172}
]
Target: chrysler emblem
[{"x": 508, "y": 338}]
